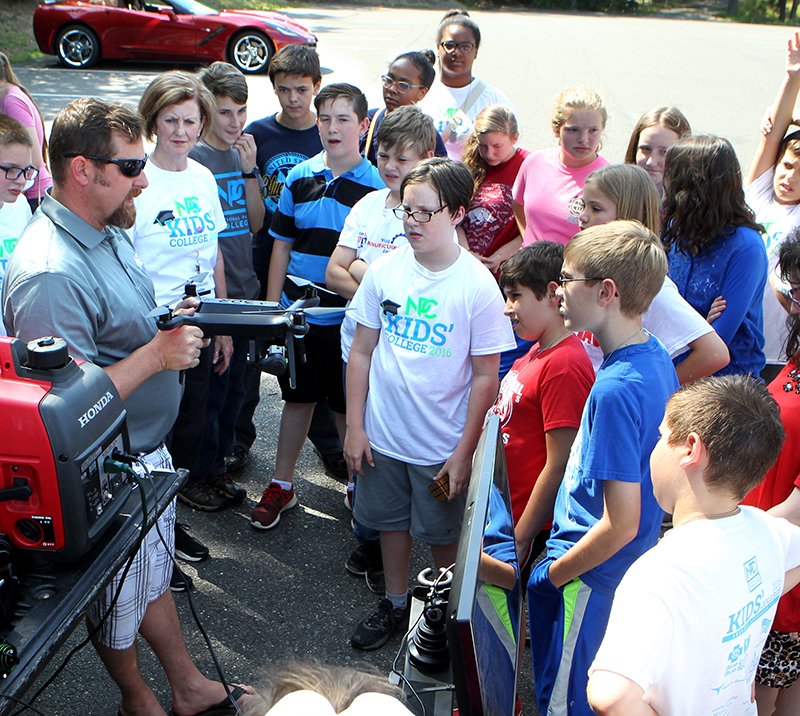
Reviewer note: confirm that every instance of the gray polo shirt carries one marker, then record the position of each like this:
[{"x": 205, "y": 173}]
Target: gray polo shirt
[{"x": 68, "y": 279}]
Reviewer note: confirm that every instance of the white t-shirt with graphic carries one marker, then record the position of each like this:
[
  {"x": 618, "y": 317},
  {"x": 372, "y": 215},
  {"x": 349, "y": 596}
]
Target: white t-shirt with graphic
[
  {"x": 371, "y": 230},
  {"x": 178, "y": 218},
  {"x": 691, "y": 616},
  {"x": 14, "y": 217},
  {"x": 431, "y": 323},
  {"x": 778, "y": 220},
  {"x": 670, "y": 318}
]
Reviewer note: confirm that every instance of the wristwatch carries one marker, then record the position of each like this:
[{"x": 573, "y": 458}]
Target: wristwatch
[{"x": 252, "y": 174}]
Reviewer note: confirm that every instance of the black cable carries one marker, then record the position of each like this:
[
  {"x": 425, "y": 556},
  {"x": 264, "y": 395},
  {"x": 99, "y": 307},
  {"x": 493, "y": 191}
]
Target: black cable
[
  {"x": 93, "y": 631},
  {"x": 195, "y": 615},
  {"x": 28, "y": 706}
]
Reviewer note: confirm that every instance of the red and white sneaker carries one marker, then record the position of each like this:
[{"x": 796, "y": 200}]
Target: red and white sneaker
[{"x": 267, "y": 513}]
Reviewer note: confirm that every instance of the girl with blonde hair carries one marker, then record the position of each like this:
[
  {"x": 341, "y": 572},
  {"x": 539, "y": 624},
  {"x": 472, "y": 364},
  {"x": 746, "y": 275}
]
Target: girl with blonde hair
[{"x": 550, "y": 182}]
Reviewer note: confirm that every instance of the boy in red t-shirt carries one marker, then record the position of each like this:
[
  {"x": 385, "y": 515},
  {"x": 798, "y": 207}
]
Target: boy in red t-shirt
[{"x": 542, "y": 397}]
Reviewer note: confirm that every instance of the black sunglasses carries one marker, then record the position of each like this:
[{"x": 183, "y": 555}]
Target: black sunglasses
[{"x": 127, "y": 167}]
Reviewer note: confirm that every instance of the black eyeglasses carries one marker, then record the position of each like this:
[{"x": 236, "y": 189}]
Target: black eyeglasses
[
  {"x": 563, "y": 280},
  {"x": 13, "y": 173},
  {"x": 401, "y": 85},
  {"x": 421, "y": 217},
  {"x": 127, "y": 167},
  {"x": 451, "y": 46}
]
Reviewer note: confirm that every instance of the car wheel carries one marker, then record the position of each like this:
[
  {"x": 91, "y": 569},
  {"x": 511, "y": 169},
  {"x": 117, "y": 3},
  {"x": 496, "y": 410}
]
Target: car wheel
[
  {"x": 77, "y": 46},
  {"x": 251, "y": 51}
]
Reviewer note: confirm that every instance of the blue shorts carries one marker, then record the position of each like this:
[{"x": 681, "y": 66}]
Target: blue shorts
[{"x": 566, "y": 626}]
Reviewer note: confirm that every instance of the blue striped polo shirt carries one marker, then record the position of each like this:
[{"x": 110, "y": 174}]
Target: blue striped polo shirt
[{"x": 311, "y": 212}]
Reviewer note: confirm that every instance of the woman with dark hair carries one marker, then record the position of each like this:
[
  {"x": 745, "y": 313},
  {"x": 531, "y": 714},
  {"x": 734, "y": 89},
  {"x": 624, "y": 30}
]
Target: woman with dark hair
[
  {"x": 457, "y": 97},
  {"x": 406, "y": 82},
  {"x": 714, "y": 244},
  {"x": 778, "y": 675},
  {"x": 17, "y": 103}
]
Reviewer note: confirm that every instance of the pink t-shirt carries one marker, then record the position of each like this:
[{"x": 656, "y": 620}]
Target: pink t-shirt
[
  {"x": 548, "y": 189},
  {"x": 17, "y": 105}
]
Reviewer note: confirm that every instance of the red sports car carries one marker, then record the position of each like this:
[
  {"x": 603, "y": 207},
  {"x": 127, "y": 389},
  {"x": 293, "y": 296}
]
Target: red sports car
[{"x": 80, "y": 32}]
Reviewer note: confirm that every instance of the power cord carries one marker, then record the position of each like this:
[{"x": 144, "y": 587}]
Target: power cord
[{"x": 149, "y": 478}]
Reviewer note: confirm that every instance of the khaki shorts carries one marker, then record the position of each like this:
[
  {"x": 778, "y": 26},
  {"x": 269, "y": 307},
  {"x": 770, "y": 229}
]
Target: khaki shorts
[{"x": 393, "y": 496}]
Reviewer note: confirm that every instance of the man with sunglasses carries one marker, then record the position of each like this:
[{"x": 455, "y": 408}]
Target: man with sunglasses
[
  {"x": 16, "y": 171},
  {"x": 74, "y": 274}
]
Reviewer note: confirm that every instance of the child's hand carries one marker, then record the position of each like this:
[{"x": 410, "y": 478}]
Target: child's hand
[
  {"x": 356, "y": 449},
  {"x": 458, "y": 469},
  {"x": 793, "y": 54},
  {"x": 246, "y": 146},
  {"x": 766, "y": 122},
  {"x": 718, "y": 305}
]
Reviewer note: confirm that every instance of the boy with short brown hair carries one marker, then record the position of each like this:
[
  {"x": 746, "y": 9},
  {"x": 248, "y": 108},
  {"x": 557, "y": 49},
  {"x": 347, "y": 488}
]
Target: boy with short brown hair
[
  {"x": 691, "y": 616},
  {"x": 316, "y": 199}
]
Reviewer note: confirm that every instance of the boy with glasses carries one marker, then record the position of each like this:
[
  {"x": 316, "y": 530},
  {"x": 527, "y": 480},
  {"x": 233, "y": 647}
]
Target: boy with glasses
[
  {"x": 370, "y": 231},
  {"x": 15, "y": 173},
  {"x": 422, "y": 374},
  {"x": 605, "y": 513}
]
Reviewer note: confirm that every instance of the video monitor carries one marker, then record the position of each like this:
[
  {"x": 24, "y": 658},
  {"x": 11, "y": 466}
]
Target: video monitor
[{"x": 483, "y": 615}]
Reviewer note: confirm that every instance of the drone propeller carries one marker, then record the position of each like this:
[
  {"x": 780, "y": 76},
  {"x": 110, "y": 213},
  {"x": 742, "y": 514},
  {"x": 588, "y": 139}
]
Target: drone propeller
[
  {"x": 198, "y": 278},
  {"x": 323, "y": 310},
  {"x": 301, "y": 282},
  {"x": 159, "y": 312}
]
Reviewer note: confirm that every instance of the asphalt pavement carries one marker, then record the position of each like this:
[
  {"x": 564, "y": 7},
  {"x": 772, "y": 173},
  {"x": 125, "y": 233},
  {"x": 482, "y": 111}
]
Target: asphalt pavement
[{"x": 266, "y": 597}]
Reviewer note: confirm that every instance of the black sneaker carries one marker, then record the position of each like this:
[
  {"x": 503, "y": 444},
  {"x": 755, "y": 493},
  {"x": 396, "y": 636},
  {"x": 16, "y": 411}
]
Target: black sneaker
[
  {"x": 238, "y": 459},
  {"x": 232, "y": 491},
  {"x": 187, "y": 547},
  {"x": 335, "y": 465},
  {"x": 382, "y": 624},
  {"x": 180, "y": 581},
  {"x": 357, "y": 561},
  {"x": 202, "y": 496},
  {"x": 374, "y": 571}
]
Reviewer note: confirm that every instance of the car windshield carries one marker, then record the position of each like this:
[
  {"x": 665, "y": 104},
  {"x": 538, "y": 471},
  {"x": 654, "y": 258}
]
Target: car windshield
[{"x": 190, "y": 7}]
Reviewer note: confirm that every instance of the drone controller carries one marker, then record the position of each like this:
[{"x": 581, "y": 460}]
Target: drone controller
[{"x": 276, "y": 332}]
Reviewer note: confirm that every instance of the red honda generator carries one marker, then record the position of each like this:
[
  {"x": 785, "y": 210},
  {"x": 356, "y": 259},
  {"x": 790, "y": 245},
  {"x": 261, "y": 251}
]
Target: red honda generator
[{"x": 59, "y": 421}]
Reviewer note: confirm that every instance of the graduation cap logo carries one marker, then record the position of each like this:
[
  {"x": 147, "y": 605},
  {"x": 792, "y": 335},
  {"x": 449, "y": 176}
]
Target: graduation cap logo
[
  {"x": 390, "y": 307},
  {"x": 164, "y": 216}
]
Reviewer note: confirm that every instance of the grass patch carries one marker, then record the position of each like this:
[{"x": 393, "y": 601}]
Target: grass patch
[{"x": 16, "y": 30}]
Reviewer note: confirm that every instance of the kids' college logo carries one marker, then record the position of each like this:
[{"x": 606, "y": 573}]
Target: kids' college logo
[{"x": 416, "y": 328}]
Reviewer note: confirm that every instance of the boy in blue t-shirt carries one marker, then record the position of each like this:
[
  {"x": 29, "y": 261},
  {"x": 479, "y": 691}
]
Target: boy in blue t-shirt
[
  {"x": 605, "y": 513},
  {"x": 316, "y": 199}
]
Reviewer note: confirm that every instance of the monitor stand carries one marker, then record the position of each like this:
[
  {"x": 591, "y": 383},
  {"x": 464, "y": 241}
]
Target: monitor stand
[{"x": 437, "y": 703}]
